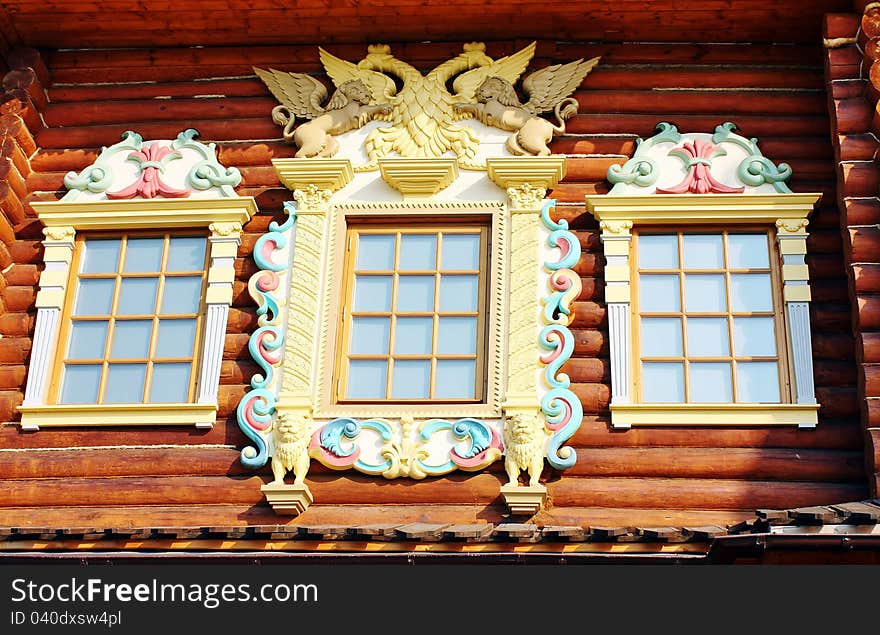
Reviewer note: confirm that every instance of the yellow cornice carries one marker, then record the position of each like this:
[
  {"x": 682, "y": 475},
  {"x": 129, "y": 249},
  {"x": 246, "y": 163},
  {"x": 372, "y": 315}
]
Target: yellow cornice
[
  {"x": 543, "y": 172},
  {"x": 801, "y": 415},
  {"x": 325, "y": 174},
  {"x": 419, "y": 178},
  {"x": 33, "y": 417}
]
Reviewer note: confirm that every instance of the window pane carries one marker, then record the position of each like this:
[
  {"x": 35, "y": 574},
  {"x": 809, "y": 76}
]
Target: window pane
[
  {"x": 94, "y": 297},
  {"x": 460, "y": 252},
  {"x": 375, "y": 252},
  {"x": 170, "y": 383},
  {"x": 186, "y": 254},
  {"x": 658, "y": 252},
  {"x": 125, "y": 383},
  {"x": 372, "y": 293},
  {"x": 703, "y": 251},
  {"x": 661, "y": 337},
  {"x": 710, "y": 382},
  {"x": 412, "y": 379},
  {"x": 705, "y": 293},
  {"x": 754, "y": 337},
  {"x": 144, "y": 254},
  {"x": 748, "y": 251},
  {"x": 707, "y": 337},
  {"x": 176, "y": 338},
  {"x": 455, "y": 379},
  {"x": 757, "y": 382},
  {"x": 138, "y": 296},
  {"x": 80, "y": 384},
  {"x": 412, "y": 336},
  {"x": 131, "y": 339},
  {"x": 369, "y": 336},
  {"x": 658, "y": 293},
  {"x": 182, "y": 295},
  {"x": 415, "y": 293},
  {"x": 87, "y": 340},
  {"x": 366, "y": 378},
  {"x": 100, "y": 256},
  {"x": 662, "y": 382},
  {"x": 418, "y": 252},
  {"x": 458, "y": 293},
  {"x": 457, "y": 336},
  {"x": 751, "y": 292}
]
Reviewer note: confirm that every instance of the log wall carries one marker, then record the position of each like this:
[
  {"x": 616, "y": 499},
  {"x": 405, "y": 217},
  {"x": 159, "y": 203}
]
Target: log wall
[{"x": 65, "y": 105}]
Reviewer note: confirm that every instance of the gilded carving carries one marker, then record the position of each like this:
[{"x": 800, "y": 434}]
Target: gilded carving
[
  {"x": 524, "y": 440},
  {"x": 312, "y": 198},
  {"x": 618, "y": 227},
  {"x": 226, "y": 230},
  {"x": 404, "y": 452},
  {"x": 291, "y": 436},
  {"x": 526, "y": 196},
  {"x": 60, "y": 234},
  {"x": 792, "y": 225}
]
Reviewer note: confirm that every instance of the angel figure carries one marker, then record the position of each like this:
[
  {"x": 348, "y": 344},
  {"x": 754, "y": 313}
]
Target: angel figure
[
  {"x": 549, "y": 89},
  {"x": 350, "y": 107}
]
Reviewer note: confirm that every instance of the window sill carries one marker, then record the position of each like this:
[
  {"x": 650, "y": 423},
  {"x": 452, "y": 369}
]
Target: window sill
[
  {"x": 705, "y": 415},
  {"x": 176, "y": 414}
]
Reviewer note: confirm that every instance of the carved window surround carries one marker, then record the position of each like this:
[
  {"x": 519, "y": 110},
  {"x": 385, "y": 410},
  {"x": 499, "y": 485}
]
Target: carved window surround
[
  {"x": 224, "y": 218},
  {"x": 787, "y": 213}
]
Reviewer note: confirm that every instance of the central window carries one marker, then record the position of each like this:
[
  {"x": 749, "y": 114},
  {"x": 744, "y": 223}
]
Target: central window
[{"x": 413, "y": 324}]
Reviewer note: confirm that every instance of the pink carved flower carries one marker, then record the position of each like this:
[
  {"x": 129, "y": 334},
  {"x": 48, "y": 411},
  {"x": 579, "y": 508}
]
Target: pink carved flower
[
  {"x": 152, "y": 159},
  {"x": 697, "y": 156}
]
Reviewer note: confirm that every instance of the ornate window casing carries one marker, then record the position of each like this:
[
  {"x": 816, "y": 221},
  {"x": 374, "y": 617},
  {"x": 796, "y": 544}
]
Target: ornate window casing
[
  {"x": 707, "y": 184},
  {"x": 166, "y": 188}
]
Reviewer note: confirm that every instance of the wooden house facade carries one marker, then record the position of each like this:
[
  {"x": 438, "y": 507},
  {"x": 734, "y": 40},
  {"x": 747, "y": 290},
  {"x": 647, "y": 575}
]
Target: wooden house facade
[{"x": 731, "y": 484}]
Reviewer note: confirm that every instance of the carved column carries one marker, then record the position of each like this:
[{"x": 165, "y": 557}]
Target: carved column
[{"x": 616, "y": 239}]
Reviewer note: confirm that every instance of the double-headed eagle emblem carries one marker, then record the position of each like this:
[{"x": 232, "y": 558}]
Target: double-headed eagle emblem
[{"x": 423, "y": 114}]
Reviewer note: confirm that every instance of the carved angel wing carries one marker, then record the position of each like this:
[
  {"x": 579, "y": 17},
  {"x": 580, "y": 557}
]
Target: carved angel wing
[
  {"x": 381, "y": 86},
  {"x": 509, "y": 68},
  {"x": 301, "y": 94},
  {"x": 548, "y": 86}
]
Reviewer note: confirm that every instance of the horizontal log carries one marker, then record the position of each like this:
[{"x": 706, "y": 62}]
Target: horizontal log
[
  {"x": 868, "y": 312},
  {"x": 862, "y": 212},
  {"x": 587, "y": 370},
  {"x": 26, "y": 79},
  {"x": 224, "y": 433},
  {"x": 856, "y": 147},
  {"x": 837, "y": 402},
  {"x": 589, "y": 315},
  {"x": 866, "y": 277},
  {"x": 859, "y": 179},
  {"x": 14, "y": 350},
  {"x": 869, "y": 349},
  {"x": 847, "y": 87},
  {"x": 834, "y": 373},
  {"x": 19, "y": 299},
  {"x": 865, "y": 242},
  {"x": 594, "y": 397},
  {"x": 837, "y": 25},
  {"x": 17, "y": 324},
  {"x": 873, "y": 412},
  {"x": 872, "y": 452},
  {"x": 590, "y": 342},
  {"x": 12, "y": 378},
  {"x": 852, "y": 116},
  {"x": 22, "y": 274},
  {"x": 731, "y": 101},
  {"x": 644, "y": 124},
  {"x": 826, "y": 318},
  {"x": 871, "y": 374},
  {"x": 824, "y": 241},
  {"x": 10, "y": 400},
  {"x": 14, "y": 126}
]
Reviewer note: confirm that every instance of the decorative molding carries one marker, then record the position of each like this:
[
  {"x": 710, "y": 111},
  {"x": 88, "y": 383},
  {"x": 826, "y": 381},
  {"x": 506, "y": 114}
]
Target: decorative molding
[
  {"x": 526, "y": 197},
  {"x": 712, "y": 415},
  {"x": 288, "y": 500},
  {"x": 312, "y": 199},
  {"x": 419, "y": 178},
  {"x": 147, "y": 414},
  {"x": 46, "y": 329},
  {"x": 323, "y": 174},
  {"x": 543, "y": 172},
  {"x": 524, "y": 500},
  {"x": 801, "y": 348},
  {"x": 226, "y": 230},
  {"x": 212, "y": 352},
  {"x": 617, "y": 227},
  {"x": 62, "y": 234},
  {"x": 620, "y": 350}
]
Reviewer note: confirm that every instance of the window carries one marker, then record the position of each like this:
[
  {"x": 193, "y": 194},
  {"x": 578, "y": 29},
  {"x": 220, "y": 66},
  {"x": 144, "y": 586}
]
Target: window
[
  {"x": 131, "y": 325},
  {"x": 414, "y": 314},
  {"x": 709, "y": 318}
]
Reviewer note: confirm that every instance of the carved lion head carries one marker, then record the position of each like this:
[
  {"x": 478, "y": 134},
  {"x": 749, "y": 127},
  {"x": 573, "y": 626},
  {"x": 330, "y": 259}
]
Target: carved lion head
[
  {"x": 499, "y": 89},
  {"x": 356, "y": 91},
  {"x": 290, "y": 427}
]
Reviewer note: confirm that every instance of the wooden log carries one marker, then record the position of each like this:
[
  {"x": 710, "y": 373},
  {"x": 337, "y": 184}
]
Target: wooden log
[
  {"x": 235, "y": 346},
  {"x": 828, "y": 318},
  {"x": 223, "y": 433},
  {"x": 870, "y": 23},
  {"x": 837, "y": 402},
  {"x": 862, "y": 212},
  {"x": 847, "y": 88},
  {"x": 732, "y": 101},
  {"x": 750, "y": 125},
  {"x": 14, "y": 350},
  {"x": 14, "y": 126},
  {"x": 10, "y": 400},
  {"x": 857, "y": 147},
  {"x": 18, "y": 102},
  {"x": 10, "y": 149},
  {"x": 22, "y": 57},
  {"x": 869, "y": 349},
  {"x": 837, "y": 25},
  {"x": 12, "y": 209},
  {"x": 859, "y": 179},
  {"x": 593, "y": 397},
  {"x": 852, "y": 116},
  {"x": 17, "y": 324},
  {"x": 22, "y": 274},
  {"x": 871, "y": 375},
  {"x": 19, "y": 299},
  {"x": 866, "y": 278},
  {"x": 240, "y": 87},
  {"x": 12, "y": 378},
  {"x": 864, "y": 242},
  {"x": 834, "y": 373},
  {"x": 589, "y": 315},
  {"x": 26, "y": 79},
  {"x": 590, "y": 342}
]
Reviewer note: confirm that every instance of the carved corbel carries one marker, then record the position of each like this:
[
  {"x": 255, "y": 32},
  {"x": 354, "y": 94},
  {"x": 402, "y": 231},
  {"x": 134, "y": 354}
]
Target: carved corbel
[
  {"x": 291, "y": 434},
  {"x": 525, "y": 441}
]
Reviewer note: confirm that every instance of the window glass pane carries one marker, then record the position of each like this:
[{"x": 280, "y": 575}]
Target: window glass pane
[
  {"x": 662, "y": 382},
  {"x": 94, "y": 297},
  {"x": 100, "y": 256},
  {"x": 182, "y": 295},
  {"x": 144, "y": 254},
  {"x": 707, "y": 337},
  {"x": 658, "y": 252},
  {"x": 375, "y": 252},
  {"x": 748, "y": 251},
  {"x": 176, "y": 338},
  {"x": 412, "y": 379},
  {"x": 366, "y": 378},
  {"x": 186, "y": 254},
  {"x": 372, "y": 293},
  {"x": 757, "y": 382},
  {"x": 458, "y": 293},
  {"x": 412, "y": 336},
  {"x": 703, "y": 251},
  {"x": 125, "y": 383},
  {"x": 87, "y": 340},
  {"x": 455, "y": 379},
  {"x": 170, "y": 383},
  {"x": 80, "y": 384},
  {"x": 138, "y": 296},
  {"x": 751, "y": 292},
  {"x": 710, "y": 382},
  {"x": 131, "y": 339},
  {"x": 658, "y": 293},
  {"x": 754, "y": 337},
  {"x": 415, "y": 293},
  {"x": 369, "y": 336},
  {"x": 418, "y": 252},
  {"x": 705, "y": 293},
  {"x": 460, "y": 252},
  {"x": 457, "y": 336},
  {"x": 661, "y": 337}
]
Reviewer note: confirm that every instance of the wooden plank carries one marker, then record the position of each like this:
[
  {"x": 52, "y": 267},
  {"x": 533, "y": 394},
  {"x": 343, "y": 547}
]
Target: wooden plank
[
  {"x": 565, "y": 533},
  {"x": 427, "y": 532},
  {"x": 519, "y": 532},
  {"x": 469, "y": 533}
]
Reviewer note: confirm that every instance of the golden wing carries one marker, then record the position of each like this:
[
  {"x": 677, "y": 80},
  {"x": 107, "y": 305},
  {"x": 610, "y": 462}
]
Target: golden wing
[
  {"x": 509, "y": 68},
  {"x": 548, "y": 86},
  {"x": 381, "y": 86},
  {"x": 301, "y": 94}
]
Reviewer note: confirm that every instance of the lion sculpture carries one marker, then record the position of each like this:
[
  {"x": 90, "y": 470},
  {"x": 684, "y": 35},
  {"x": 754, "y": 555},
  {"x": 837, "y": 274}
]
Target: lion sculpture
[
  {"x": 523, "y": 448},
  {"x": 350, "y": 107},
  {"x": 549, "y": 89},
  {"x": 291, "y": 437}
]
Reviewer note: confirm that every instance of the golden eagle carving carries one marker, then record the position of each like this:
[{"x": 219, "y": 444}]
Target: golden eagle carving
[{"x": 423, "y": 115}]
